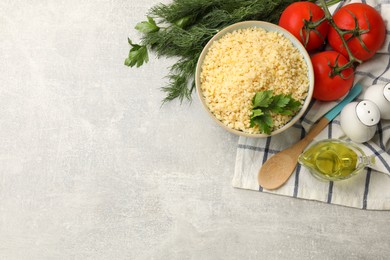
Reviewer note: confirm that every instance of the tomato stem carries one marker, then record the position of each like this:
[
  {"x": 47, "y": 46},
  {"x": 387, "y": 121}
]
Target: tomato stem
[
  {"x": 310, "y": 25},
  {"x": 353, "y": 61},
  {"x": 332, "y": 2}
]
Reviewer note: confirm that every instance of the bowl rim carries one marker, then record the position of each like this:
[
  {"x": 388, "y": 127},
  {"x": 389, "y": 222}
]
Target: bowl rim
[{"x": 268, "y": 27}]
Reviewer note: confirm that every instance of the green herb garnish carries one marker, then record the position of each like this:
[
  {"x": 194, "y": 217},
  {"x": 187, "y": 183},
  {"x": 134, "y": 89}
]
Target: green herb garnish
[
  {"x": 182, "y": 28},
  {"x": 138, "y": 55},
  {"x": 147, "y": 26},
  {"x": 265, "y": 104}
]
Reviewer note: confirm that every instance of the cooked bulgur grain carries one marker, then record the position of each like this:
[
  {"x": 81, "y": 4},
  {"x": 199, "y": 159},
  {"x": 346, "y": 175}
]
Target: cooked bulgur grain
[{"x": 244, "y": 62}]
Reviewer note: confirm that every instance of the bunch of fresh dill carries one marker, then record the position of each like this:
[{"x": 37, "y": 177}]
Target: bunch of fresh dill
[{"x": 182, "y": 28}]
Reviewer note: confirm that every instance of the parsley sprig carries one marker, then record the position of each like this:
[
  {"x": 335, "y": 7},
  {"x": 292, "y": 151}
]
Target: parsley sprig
[
  {"x": 138, "y": 55},
  {"x": 148, "y": 26},
  {"x": 265, "y": 104}
]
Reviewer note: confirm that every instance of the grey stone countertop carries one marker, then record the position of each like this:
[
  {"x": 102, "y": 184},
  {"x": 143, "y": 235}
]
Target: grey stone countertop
[{"x": 93, "y": 167}]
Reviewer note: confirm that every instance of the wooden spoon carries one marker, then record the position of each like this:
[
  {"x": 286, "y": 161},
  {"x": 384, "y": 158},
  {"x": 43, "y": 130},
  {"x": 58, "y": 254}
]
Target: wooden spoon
[{"x": 278, "y": 168}]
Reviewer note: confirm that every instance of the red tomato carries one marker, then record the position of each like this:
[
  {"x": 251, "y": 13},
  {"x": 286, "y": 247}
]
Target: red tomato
[
  {"x": 327, "y": 88},
  {"x": 292, "y": 20},
  {"x": 367, "y": 18}
]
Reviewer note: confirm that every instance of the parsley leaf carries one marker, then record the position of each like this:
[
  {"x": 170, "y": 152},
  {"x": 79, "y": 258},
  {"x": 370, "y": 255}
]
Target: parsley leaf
[
  {"x": 257, "y": 112},
  {"x": 279, "y": 102},
  {"x": 264, "y": 122},
  {"x": 147, "y": 26},
  {"x": 262, "y": 99},
  {"x": 292, "y": 107},
  {"x": 265, "y": 104},
  {"x": 138, "y": 55}
]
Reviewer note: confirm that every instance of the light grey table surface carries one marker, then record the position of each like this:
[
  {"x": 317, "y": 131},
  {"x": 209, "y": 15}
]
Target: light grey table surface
[{"x": 92, "y": 167}]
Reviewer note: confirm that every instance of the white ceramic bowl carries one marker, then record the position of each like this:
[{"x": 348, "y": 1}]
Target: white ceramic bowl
[{"x": 268, "y": 27}]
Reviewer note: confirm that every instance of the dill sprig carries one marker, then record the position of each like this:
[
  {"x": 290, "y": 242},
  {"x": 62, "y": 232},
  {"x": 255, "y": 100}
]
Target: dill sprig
[
  {"x": 183, "y": 27},
  {"x": 181, "y": 83}
]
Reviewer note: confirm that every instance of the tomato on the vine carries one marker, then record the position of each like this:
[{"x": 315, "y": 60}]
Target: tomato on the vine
[
  {"x": 292, "y": 19},
  {"x": 326, "y": 86},
  {"x": 369, "y": 20}
]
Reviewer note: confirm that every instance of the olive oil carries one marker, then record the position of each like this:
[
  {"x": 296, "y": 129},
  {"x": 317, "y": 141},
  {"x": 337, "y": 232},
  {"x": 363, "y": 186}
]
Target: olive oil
[{"x": 332, "y": 159}]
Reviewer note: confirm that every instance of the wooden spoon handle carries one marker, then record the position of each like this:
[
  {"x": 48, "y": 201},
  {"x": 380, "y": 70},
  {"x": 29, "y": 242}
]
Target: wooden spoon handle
[
  {"x": 316, "y": 129},
  {"x": 313, "y": 132}
]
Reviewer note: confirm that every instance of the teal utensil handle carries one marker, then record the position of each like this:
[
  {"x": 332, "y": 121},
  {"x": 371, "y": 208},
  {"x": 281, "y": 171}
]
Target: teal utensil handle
[{"x": 352, "y": 94}]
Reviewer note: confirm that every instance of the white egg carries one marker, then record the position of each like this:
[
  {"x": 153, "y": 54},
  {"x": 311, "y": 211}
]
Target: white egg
[
  {"x": 380, "y": 95},
  {"x": 359, "y": 120}
]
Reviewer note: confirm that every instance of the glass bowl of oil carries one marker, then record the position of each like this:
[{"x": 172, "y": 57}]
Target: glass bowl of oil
[{"x": 334, "y": 160}]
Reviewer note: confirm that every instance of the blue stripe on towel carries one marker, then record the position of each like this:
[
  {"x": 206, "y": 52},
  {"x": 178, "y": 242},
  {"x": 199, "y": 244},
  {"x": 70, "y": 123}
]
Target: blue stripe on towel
[
  {"x": 339, "y": 6},
  {"x": 311, "y": 104},
  {"x": 257, "y": 149},
  {"x": 386, "y": 69},
  {"x": 330, "y": 192},
  {"x": 330, "y": 189},
  {"x": 366, "y": 188},
  {"x": 380, "y": 134},
  {"x": 368, "y": 74},
  {"x": 303, "y": 118},
  {"x": 298, "y": 169}
]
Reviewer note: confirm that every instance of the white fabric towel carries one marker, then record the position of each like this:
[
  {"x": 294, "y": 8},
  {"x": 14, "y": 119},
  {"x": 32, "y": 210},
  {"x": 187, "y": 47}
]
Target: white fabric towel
[{"x": 368, "y": 190}]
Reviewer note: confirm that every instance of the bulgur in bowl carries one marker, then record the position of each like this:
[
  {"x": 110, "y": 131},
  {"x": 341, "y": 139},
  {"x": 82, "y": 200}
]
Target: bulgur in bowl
[{"x": 249, "y": 57}]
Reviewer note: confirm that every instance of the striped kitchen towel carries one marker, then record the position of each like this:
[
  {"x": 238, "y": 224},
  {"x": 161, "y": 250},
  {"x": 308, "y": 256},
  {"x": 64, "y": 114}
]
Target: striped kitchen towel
[{"x": 368, "y": 190}]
